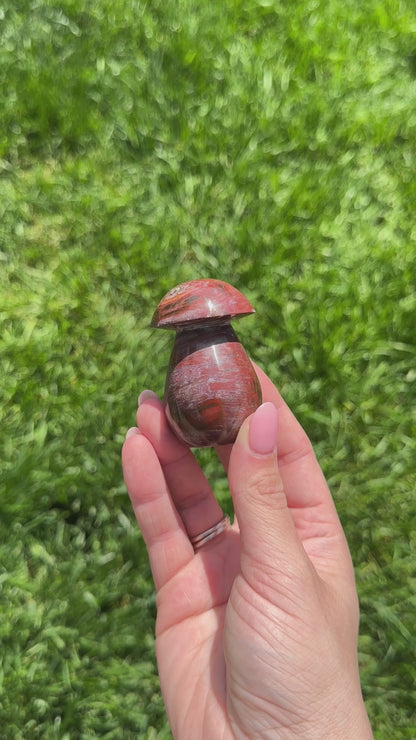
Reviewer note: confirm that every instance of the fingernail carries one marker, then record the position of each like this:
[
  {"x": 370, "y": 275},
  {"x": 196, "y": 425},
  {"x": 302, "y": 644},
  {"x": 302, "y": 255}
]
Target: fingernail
[
  {"x": 263, "y": 429},
  {"x": 131, "y": 432},
  {"x": 145, "y": 396}
]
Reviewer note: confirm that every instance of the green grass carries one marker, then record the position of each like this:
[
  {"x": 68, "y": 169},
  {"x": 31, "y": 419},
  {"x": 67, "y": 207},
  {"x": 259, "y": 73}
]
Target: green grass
[{"x": 270, "y": 144}]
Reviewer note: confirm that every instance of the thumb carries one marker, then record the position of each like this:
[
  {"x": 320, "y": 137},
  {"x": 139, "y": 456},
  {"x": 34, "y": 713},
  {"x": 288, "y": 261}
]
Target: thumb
[{"x": 269, "y": 541}]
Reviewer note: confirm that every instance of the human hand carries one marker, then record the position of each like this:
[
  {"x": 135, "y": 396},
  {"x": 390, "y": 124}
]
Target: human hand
[{"x": 256, "y": 632}]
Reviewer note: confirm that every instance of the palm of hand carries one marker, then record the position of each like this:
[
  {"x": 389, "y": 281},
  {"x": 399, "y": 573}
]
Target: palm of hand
[
  {"x": 222, "y": 614},
  {"x": 208, "y": 612},
  {"x": 189, "y": 641}
]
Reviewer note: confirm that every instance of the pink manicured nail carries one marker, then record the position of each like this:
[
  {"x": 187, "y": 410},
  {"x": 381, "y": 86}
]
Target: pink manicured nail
[
  {"x": 131, "y": 432},
  {"x": 147, "y": 396},
  {"x": 263, "y": 429}
]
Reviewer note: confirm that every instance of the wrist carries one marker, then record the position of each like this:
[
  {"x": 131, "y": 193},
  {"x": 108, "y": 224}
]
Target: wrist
[
  {"x": 346, "y": 721},
  {"x": 340, "y": 721},
  {"x": 355, "y": 726}
]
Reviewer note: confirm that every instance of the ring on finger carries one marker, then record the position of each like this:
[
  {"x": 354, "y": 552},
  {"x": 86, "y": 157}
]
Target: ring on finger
[{"x": 199, "y": 540}]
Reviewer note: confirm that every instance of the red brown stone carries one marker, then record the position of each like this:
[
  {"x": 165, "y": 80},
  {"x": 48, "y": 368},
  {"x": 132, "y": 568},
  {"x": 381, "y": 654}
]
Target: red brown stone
[{"x": 211, "y": 385}]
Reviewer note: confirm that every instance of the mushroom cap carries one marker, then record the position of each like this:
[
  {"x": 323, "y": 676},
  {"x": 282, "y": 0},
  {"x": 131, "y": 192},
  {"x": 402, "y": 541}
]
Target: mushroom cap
[{"x": 200, "y": 301}]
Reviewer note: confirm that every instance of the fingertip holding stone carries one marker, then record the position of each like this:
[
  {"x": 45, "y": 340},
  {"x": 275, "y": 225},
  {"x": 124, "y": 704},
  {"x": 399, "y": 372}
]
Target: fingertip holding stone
[
  {"x": 132, "y": 432},
  {"x": 147, "y": 395},
  {"x": 263, "y": 429}
]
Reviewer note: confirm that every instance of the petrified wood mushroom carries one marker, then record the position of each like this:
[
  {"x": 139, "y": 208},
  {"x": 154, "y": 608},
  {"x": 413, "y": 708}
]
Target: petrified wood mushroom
[{"x": 211, "y": 385}]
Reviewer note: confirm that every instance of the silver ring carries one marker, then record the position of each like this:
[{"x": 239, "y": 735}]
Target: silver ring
[{"x": 201, "y": 539}]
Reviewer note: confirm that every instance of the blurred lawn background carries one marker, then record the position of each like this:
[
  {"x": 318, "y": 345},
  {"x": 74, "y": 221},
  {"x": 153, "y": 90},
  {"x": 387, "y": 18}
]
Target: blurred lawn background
[{"x": 271, "y": 144}]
